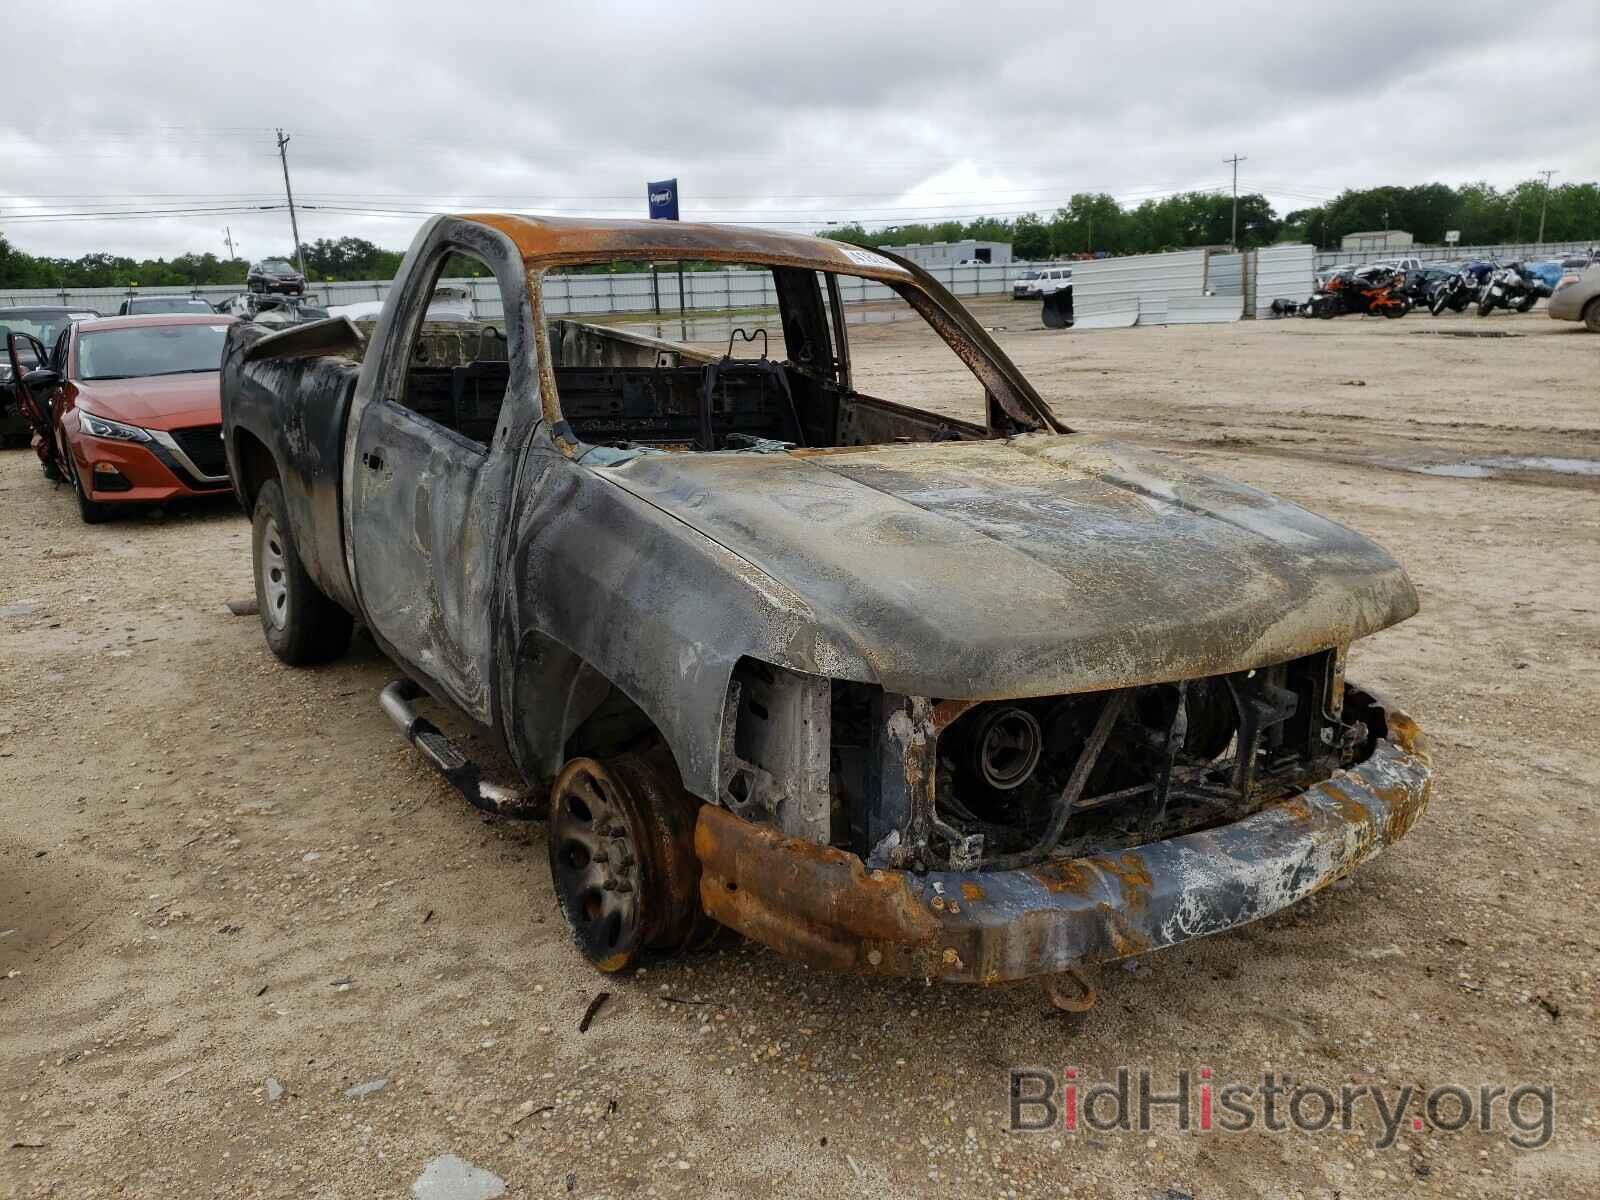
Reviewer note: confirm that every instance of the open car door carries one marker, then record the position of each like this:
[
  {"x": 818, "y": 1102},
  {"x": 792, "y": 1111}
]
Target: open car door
[{"x": 34, "y": 384}]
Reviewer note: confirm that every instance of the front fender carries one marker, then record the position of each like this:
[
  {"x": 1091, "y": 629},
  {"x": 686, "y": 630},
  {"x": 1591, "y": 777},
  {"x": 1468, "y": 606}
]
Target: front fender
[{"x": 600, "y": 578}]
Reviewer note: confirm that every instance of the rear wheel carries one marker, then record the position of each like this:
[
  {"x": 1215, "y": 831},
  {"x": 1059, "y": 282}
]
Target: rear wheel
[
  {"x": 301, "y": 624},
  {"x": 1591, "y": 315},
  {"x": 622, "y": 858},
  {"x": 1527, "y": 302}
]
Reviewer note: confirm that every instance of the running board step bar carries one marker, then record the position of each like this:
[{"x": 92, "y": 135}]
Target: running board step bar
[{"x": 443, "y": 756}]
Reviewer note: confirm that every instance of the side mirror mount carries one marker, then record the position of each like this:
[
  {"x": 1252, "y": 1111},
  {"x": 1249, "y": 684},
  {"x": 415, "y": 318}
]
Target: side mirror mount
[{"x": 42, "y": 379}]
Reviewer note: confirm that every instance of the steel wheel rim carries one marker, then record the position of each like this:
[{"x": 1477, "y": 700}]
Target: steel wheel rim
[
  {"x": 595, "y": 862},
  {"x": 274, "y": 571}
]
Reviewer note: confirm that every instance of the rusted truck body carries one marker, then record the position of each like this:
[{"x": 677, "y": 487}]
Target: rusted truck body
[{"x": 887, "y": 690}]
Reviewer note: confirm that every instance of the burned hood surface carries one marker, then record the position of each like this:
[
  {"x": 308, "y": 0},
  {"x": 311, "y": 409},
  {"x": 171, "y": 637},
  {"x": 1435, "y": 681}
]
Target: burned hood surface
[{"x": 1034, "y": 566}]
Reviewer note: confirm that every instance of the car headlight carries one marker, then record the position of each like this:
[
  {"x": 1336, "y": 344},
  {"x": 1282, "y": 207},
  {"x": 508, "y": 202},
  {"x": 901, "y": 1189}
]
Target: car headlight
[{"x": 115, "y": 431}]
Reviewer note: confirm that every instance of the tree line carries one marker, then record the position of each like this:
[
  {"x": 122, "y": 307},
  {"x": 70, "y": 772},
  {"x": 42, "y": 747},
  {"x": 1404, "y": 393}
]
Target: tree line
[
  {"x": 1092, "y": 223},
  {"x": 1088, "y": 223}
]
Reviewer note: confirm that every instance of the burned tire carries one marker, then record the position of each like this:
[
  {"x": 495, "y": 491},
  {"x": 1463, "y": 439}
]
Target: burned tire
[
  {"x": 622, "y": 859},
  {"x": 301, "y": 624}
]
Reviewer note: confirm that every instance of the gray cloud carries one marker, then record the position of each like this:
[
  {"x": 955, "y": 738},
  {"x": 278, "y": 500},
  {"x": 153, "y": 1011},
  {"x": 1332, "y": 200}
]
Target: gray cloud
[{"x": 766, "y": 113}]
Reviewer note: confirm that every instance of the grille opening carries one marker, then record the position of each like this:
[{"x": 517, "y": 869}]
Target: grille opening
[{"x": 1179, "y": 756}]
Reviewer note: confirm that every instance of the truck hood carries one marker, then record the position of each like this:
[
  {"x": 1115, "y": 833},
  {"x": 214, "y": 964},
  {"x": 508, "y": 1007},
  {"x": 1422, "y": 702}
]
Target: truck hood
[
  {"x": 157, "y": 401},
  {"x": 1040, "y": 565}
]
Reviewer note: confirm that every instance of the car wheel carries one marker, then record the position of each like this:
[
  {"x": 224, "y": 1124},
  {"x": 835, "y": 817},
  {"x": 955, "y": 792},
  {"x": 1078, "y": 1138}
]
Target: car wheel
[
  {"x": 1591, "y": 315},
  {"x": 301, "y": 624},
  {"x": 92, "y": 511},
  {"x": 622, "y": 859}
]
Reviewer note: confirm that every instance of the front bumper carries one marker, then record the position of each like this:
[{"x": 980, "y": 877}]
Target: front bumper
[
  {"x": 820, "y": 904},
  {"x": 1565, "y": 305},
  {"x": 151, "y": 472}
]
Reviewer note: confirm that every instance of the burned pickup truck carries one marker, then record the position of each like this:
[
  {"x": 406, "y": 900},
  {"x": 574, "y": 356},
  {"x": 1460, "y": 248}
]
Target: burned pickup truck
[{"x": 958, "y": 695}]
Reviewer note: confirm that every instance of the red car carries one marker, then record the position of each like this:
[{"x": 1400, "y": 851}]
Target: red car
[{"x": 128, "y": 409}]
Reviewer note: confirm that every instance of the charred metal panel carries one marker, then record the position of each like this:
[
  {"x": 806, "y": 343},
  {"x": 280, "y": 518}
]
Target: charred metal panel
[
  {"x": 1040, "y": 565},
  {"x": 781, "y": 722},
  {"x": 296, "y": 408},
  {"x": 425, "y": 511},
  {"x": 660, "y": 610}
]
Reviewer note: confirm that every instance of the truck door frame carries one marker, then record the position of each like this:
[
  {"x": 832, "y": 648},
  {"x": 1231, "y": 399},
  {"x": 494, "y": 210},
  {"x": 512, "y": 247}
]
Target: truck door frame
[{"x": 426, "y": 509}]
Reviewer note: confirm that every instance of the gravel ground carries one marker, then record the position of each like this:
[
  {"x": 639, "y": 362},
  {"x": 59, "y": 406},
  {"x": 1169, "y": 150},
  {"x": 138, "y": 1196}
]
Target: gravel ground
[{"x": 232, "y": 901}]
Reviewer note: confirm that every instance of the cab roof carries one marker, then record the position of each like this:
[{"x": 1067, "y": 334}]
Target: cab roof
[{"x": 553, "y": 241}]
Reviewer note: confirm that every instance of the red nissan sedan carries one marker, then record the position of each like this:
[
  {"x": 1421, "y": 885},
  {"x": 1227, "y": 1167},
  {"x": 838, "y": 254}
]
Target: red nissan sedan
[{"x": 134, "y": 409}]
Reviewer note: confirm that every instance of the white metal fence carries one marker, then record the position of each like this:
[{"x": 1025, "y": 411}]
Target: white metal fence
[
  {"x": 1504, "y": 252},
  {"x": 566, "y": 295},
  {"x": 1280, "y": 272}
]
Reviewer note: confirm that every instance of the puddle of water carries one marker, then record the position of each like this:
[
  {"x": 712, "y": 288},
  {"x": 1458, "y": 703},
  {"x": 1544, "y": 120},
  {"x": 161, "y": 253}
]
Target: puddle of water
[{"x": 1484, "y": 468}]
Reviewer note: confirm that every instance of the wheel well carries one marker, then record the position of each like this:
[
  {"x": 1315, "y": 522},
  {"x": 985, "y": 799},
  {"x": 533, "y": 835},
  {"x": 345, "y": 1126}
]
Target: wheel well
[
  {"x": 563, "y": 708},
  {"x": 256, "y": 465}
]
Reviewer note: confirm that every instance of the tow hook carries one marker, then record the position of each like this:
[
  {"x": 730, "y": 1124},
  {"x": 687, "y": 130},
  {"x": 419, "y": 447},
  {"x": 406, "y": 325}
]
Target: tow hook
[
  {"x": 445, "y": 757},
  {"x": 1070, "y": 991}
]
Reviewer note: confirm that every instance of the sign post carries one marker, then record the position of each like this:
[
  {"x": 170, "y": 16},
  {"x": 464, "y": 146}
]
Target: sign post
[{"x": 662, "y": 198}]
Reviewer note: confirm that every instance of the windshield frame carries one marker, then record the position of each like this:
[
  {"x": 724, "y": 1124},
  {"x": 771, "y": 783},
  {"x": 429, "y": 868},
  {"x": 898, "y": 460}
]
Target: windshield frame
[{"x": 938, "y": 308}]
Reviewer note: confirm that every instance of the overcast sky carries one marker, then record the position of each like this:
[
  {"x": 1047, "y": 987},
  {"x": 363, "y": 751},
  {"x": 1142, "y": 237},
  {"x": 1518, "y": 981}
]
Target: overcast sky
[{"x": 766, "y": 113}]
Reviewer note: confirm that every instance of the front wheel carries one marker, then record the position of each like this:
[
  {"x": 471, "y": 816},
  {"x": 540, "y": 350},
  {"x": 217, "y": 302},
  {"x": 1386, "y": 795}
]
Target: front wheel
[
  {"x": 301, "y": 624},
  {"x": 92, "y": 512},
  {"x": 1591, "y": 315},
  {"x": 1485, "y": 306},
  {"x": 1398, "y": 308},
  {"x": 622, "y": 859}
]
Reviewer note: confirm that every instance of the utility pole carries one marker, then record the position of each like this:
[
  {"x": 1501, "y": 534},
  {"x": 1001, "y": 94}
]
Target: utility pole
[
  {"x": 294, "y": 226},
  {"x": 227, "y": 236},
  {"x": 1544, "y": 207},
  {"x": 1233, "y": 236}
]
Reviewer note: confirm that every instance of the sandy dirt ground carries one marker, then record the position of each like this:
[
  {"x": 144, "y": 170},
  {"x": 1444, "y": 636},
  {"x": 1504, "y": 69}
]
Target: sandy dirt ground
[{"x": 217, "y": 872}]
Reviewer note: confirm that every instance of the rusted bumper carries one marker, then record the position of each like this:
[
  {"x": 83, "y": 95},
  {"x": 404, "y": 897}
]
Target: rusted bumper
[{"x": 822, "y": 906}]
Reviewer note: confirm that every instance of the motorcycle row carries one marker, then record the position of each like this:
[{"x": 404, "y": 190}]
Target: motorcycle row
[{"x": 1392, "y": 292}]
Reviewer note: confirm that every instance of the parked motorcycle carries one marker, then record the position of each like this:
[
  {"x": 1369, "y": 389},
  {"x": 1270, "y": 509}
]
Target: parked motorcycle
[
  {"x": 1513, "y": 287},
  {"x": 1379, "y": 291}
]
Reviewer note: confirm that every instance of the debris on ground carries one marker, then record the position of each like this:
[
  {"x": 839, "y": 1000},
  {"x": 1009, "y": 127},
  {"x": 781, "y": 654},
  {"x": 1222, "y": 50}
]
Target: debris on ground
[
  {"x": 274, "y": 1091},
  {"x": 594, "y": 1007},
  {"x": 450, "y": 1177},
  {"x": 243, "y": 608},
  {"x": 366, "y": 1089}
]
